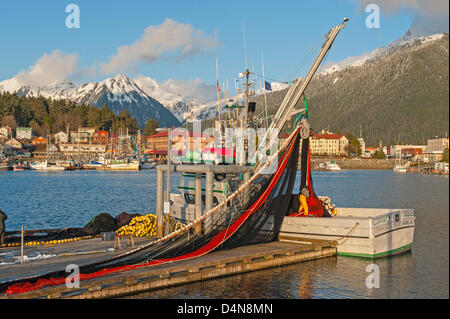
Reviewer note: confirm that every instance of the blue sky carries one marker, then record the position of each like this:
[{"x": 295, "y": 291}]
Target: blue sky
[{"x": 285, "y": 31}]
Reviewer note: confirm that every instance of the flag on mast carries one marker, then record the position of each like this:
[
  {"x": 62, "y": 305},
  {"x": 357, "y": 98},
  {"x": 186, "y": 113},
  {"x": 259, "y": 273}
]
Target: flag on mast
[
  {"x": 267, "y": 86},
  {"x": 218, "y": 86}
]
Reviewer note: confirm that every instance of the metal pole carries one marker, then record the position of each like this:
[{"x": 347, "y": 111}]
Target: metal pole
[
  {"x": 169, "y": 163},
  {"x": 209, "y": 191},
  {"x": 21, "y": 245},
  {"x": 159, "y": 202},
  {"x": 198, "y": 200}
]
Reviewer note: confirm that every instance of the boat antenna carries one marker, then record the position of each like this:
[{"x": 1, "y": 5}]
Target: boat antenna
[
  {"x": 245, "y": 46},
  {"x": 218, "y": 87},
  {"x": 265, "y": 97}
]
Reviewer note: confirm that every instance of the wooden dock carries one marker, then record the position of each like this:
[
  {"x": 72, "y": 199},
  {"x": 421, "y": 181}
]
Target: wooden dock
[{"x": 214, "y": 265}]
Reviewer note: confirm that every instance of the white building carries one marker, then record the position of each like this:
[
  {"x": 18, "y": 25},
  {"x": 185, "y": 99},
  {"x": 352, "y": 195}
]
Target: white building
[
  {"x": 24, "y": 132},
  {"x": 75, "y": 149},
  {"x": 61, "y": 137},
  {"x": 5, "y": 131},
  {"x": 437, "y": 144},
  {"x": 328, "y": 144}
]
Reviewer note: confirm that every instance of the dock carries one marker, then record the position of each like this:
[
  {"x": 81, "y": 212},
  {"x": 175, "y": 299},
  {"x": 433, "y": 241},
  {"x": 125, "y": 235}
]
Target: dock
[{"x": 213, "y": 265}]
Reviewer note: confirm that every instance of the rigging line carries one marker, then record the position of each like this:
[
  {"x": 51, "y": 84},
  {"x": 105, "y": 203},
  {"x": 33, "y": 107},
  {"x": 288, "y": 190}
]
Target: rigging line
[{"x": 303, "y": 62}]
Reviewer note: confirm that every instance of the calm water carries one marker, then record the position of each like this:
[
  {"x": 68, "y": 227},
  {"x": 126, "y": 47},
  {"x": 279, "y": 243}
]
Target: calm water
[{"x": 71, "y": 199}]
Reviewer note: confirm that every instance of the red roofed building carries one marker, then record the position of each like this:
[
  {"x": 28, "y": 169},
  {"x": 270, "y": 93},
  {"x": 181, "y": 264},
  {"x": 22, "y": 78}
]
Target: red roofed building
[
  {"x": 100, "y": 137},
  {"x": 182, "y": 141},
  {"x": 328, "y": 143}
]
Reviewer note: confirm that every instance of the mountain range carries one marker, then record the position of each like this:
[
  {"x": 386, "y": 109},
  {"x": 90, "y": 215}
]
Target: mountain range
[
  {"x": 119, "y": 93},
  {"x": 397, "y": 93}
]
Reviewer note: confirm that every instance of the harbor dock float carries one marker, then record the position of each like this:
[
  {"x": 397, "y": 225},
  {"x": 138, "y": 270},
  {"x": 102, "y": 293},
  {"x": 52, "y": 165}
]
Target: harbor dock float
[{"x": 213, "y": 265}]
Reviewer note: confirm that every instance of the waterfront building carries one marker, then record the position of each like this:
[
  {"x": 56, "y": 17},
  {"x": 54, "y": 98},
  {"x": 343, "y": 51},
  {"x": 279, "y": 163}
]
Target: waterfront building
[
  {"x": 24, "y": 133},
  {"x": 328, "y": 143},
  {"x": 362, "y": 143},
  {"x": 79, "y": 137},
  {"x": 89, "y": 130},
  {"x": 369, "y": 151},
  {"x": 395, "y": 151},
  {"x": 5, "y": 131},
  {"x": 39, "y": 140},
  {"x": 100, "y": 137},
  {"x": 61, "y": 137},
  {"x": 437, "y": 144},
  {"x": 87, "y": 149},
  {"x": 157, "y": 144},
  {"x": 14, "y": 143}
]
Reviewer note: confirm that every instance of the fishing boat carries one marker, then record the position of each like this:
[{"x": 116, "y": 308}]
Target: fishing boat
[
  {"x": 123, "y": 165},
  {"x": 47, "y": 166},
  {"x": 359, "y": 232},
  {"x": 5, "y": 166},
  {"x": 21, "y": 166}
]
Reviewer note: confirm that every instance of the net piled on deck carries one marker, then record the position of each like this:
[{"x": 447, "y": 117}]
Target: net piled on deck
[{"x": 252, "y": 214}]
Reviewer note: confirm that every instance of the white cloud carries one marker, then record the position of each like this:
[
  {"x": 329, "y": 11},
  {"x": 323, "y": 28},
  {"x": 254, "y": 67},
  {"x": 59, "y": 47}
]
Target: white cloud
[
  {"x": 49, "y": 69},
  {"x": 169, "y": 40},
  {"x": 431, "y": 16}
]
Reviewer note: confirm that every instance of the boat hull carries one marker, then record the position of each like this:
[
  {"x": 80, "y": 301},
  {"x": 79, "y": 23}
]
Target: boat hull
[{"x": 360, "y": 232}]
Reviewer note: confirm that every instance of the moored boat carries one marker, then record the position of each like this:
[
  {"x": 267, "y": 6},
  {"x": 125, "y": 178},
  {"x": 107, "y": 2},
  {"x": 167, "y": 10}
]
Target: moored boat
[
  {"x": 5, "y": 166},
  {"x": 359, "y": 232},
  {"x": 21, "y": 166}
]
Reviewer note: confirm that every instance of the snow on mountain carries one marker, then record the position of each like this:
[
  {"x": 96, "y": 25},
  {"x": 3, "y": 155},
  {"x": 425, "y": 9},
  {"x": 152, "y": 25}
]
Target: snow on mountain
[
  {"x": 175, "y": 101},
  {"x": 410, "y": 37},
  {"x": 183, "y": 97},
  {"x": 119, "y": 93}
]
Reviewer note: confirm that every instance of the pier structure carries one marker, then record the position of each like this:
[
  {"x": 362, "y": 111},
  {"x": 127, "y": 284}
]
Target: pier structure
[
  {"x": 198, "y": 170},
  {"x": 215, "y": 265}
]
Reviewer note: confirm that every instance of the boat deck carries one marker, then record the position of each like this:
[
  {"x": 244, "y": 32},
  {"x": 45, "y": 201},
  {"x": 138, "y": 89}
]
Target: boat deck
[{"x": 216, "y": 264}]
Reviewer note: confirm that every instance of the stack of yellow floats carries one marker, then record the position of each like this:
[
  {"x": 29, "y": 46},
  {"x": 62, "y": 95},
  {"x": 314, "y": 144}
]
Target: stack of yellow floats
[
  {"x": 141, "y": 226},
  {"x": 48, "y": 242}
]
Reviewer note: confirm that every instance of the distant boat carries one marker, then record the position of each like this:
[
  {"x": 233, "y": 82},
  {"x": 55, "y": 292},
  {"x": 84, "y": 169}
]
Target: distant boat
[
  {"x": 21, "y": 166},
  {"x": 401, "y": 168},
  {"x": 123, "y": 165},
  {"x": 5, "y": 166},
  {"x": 330, "y": 166},
  {"x": 47, "y": 166}
]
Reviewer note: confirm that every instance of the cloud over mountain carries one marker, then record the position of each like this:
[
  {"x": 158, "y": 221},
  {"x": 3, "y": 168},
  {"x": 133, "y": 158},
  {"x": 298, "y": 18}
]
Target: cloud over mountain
[
  {"x": 429, "y": 16},
  {"x": 169, "y": 40},
  {"x": 49, "y": 69}
]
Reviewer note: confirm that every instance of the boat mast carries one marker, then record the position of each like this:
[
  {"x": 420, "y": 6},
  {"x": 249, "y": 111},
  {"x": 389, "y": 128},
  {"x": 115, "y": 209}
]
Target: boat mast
[
  {"x": 286, "y": 109},
  {"x": 296, "y": 91}
]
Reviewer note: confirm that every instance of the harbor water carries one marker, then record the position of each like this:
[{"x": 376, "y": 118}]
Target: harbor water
[{"x": 70, "y": 199}]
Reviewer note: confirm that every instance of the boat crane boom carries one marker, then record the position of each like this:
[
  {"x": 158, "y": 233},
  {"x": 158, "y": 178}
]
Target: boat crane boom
[{"x": 286, "y": 109}]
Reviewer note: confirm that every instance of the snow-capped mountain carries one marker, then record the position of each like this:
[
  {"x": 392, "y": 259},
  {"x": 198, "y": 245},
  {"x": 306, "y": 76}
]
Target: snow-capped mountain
[
  {"x": 183, "y": 98},
  {"x": 175, "y": 101},
  {"x": 119, "y": 93},
  {"x": 410, "y": 37}
]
